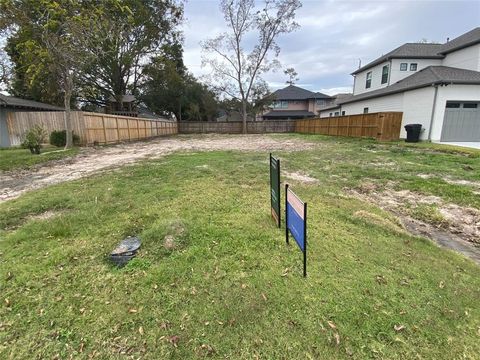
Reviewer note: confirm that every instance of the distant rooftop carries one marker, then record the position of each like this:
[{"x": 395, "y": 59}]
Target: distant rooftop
[
  {"x": 293, "y": 92},
  {"x": 14, "y": 102}
]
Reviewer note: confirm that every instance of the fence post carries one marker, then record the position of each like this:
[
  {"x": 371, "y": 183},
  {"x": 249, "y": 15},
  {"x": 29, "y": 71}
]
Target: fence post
[
  {"x": 118, "y": 131},
  {"x": 104, "y": 130}
]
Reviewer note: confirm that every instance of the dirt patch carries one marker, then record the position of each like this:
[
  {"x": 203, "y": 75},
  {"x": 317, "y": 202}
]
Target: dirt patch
[
  {"x": 94, "y": 160},
  {"x": 460, "y": 231},
  {"x": 169, "y": 242},
  {"x": 304, "y": 178},
  {"x": 49, "y": 214},
  {"x": 449, "y": 180}
]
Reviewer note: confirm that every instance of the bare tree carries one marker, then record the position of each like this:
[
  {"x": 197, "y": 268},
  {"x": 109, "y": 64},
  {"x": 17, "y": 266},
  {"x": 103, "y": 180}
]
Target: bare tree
[
  {"x": 292, "y": 76},
  {"x": 236, "y": 66}
]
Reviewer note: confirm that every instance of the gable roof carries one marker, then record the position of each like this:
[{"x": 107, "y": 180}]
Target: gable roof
[
  {"x": 407, "y": 51},
  {"x": 293, "y": 92},
  {"x": 470, "y": 38},
  {"x": 14, "y": 102},
  {"x": 427, "y": 51},
  {"x": 431, "y": 75}
]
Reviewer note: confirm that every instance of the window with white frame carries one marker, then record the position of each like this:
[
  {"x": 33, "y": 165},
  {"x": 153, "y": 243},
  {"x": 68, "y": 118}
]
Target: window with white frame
[
  {"x": 368, "y": 82},
  {"x": 321, "y": 102},
  {"x": 403, "y": 67},
  {"x": 385, "y": 74},
  {"x": 413, "y": 67}
]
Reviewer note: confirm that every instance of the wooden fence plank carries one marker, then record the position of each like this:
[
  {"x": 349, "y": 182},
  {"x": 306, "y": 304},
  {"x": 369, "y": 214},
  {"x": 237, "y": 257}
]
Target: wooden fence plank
[{"x": 383, "y": 126}]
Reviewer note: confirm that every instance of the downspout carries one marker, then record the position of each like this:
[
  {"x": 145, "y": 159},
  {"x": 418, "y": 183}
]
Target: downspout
[{"x": 433, "y": 112}]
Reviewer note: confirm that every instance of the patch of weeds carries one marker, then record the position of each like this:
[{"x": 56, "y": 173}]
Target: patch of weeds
[
  {"x": 138, "y": 263},
  {"x": 428, "y": 213},
  {"x": 165, "y": 236},
  {"x": 386, "y": 222}
]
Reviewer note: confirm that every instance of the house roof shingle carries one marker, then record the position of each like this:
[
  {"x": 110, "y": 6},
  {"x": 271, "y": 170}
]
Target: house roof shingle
[
  {"x": 288, "y": 113},
  {"x": 11, "y": 101},
  {"x": 407, "y": 51},
  {"x": 431, "y": 75},
  {"x": 293, "y": 92},
  {"x": 426, "y": 51},
  {"x": 470, "y": 38}
]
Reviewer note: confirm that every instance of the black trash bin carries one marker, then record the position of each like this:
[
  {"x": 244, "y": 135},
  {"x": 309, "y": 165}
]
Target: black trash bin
[{"x": 413, "y": 132}]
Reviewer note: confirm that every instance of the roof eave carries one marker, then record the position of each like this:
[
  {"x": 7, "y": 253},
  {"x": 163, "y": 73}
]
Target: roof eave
[
  {"x": 438, "y": 82},
  {"x": 369, "y": 66},
  {"x": 460, "y": 47}
]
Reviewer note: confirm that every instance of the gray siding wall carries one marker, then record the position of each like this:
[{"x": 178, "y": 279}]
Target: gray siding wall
[{"x": 4, "y": 136}]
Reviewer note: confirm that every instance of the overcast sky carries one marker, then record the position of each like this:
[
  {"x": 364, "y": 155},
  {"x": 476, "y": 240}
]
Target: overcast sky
[{"x": 334, "y": 35}]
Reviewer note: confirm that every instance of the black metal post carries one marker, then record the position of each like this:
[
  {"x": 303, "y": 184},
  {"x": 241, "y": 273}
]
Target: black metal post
[
  {"x": 279, "y": 196},
  {"x": 305, "y": 240},
  {"x": 286, "y": 213},
  {"x": 270, "y": 166}
]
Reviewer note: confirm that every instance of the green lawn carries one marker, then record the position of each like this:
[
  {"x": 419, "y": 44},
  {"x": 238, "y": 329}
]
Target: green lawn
[
  {"x": 231, "y": 288},
  {"x": 17, "y": 158}
]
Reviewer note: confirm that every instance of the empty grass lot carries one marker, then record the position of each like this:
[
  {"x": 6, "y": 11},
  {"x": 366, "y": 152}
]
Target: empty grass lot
[
  {"x": 17, "y": 158},
  {"x": 229, "y": 286}
]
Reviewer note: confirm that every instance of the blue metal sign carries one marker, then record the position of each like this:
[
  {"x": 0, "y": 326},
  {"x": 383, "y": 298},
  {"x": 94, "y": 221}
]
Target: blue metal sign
[{"x": 296, "y": 222}]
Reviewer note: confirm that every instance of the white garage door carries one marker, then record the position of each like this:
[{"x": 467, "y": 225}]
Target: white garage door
[{"x": 461, "y": 122}]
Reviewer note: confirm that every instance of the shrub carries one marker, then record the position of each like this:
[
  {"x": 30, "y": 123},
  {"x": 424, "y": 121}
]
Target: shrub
[
  {"x": 59, "y": 138},
  {"x": 34, "y": 138}
]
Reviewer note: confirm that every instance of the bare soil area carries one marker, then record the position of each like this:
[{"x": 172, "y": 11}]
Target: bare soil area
[
  {"x": 93, "y": 160},
  {"x": 458, "y": 228}
]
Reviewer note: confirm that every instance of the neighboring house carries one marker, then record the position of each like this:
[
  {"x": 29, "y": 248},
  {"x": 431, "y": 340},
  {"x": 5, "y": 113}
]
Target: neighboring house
[
  {"x": 9, "y": 104},
  {"x": 126, "y": 107},
  {"x": 294, "y": 102},
  {"x": 436, "y": 85}
]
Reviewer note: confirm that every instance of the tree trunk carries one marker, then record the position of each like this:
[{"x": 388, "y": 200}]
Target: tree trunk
[
  {"x": 68, "y": 118},
  {"x": 244, "y": 116}
]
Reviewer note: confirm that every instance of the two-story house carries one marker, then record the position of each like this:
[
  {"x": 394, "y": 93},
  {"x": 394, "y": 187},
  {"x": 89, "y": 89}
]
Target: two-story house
[
  {"x": 294, "y": 102},
  {"x": 436, "y": 85}
]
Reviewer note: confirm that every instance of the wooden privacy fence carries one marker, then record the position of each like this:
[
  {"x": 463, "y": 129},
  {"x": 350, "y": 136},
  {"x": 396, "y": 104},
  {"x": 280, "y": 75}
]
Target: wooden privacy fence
[
  {"x": 108, "y": 129},
  {"x": 236, "y": 127},
  {"x": 384, "y": 126},
  {"x": 92, "y": 128}
]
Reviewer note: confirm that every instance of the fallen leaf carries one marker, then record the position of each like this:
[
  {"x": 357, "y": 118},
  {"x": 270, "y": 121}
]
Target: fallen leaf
[
  {"x": 208, "y": 349},
  {"x": 441, "y": 285},
  {"x": 244, "y": 286},
  {"x": 174, "y": 339},
  {"x": 399, "y": 327},
  {"x": 332, "y": 325},
  {"x": 337, "y": 338},
  {"x": 264, "y": 297},
  {"x": 140, "y": 330},
  {"x": 132, "y": 311}
]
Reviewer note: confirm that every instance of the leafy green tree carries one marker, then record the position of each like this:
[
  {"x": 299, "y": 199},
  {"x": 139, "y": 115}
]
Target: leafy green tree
[
  {"x": 168, "y": 88},
  {"x": 127, "y": 33},
  {"x": 135, "y": 31}
]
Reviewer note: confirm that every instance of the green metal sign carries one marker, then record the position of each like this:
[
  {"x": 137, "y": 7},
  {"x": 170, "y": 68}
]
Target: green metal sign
[{"x": 275, "y": 188}]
